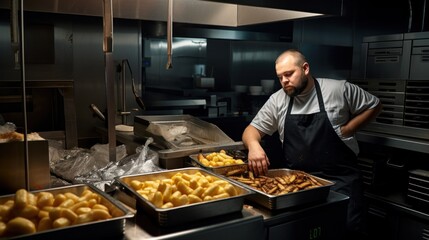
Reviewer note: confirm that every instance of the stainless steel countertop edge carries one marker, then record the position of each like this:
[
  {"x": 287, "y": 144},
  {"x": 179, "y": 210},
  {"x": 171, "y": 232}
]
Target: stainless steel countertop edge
[{"x": 407, "y": 143}]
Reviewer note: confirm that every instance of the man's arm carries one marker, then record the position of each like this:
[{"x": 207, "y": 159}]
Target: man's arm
[
  {"x": 257, "y": 159},
  {"x": 360, "y": 120}
]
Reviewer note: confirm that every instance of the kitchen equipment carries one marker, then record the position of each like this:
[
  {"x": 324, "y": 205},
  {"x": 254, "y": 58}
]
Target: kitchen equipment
[
  {"x": 181, "y": 136},
  {"x": 418, "y": 187},
  {"x": 96, "y": 111},
  {"x": 292, "y": 199},
  {"x": 12, "y": 168},
  {"x": 386, "y": 57},
  {"x": 185, "y": 213},
  {"x": 109, "y": 73},
  {"x": 169, "y": 64},
  {"x": 110, "y": 228},
  {"x": 241, "y": 88},
  {"x": 255, "y": 90},
  {"x": 267, "y": 85},
  {"x": 419, "y": 55},
  {"x": 222, "y": 170},
  {"x": 204, "y": 82},
  {"x": 395, "y": 70}
]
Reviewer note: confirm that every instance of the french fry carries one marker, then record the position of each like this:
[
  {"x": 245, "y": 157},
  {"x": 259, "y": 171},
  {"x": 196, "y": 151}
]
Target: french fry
[{"x": 280, "y": 184}]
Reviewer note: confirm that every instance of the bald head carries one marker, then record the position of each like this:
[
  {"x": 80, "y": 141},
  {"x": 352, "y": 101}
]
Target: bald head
[
  {"x": 293, "y": 71},
  {"x": 296, "y": 56}
]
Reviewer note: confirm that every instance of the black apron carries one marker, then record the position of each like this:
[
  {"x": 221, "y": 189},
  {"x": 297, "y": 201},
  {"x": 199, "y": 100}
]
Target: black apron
[{"x": 312, "y": 145}]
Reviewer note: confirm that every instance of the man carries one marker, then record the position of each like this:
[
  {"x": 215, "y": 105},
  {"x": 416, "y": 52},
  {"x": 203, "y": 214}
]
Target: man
[{"x": 316, "y": 120}]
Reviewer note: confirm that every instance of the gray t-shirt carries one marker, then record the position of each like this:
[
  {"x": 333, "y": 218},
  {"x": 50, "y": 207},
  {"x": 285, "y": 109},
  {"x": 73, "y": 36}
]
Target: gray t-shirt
[{"x": 342, "y": 100}]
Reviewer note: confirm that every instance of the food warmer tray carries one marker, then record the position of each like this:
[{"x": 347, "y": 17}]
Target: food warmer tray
[
  {"x": 276, "y": 202},
  {"x": 112, "y": 228},
  {"x": 223, "y": 170},
  {"x": 187, "y": 213},
  {"x": 199, "y": 135}
]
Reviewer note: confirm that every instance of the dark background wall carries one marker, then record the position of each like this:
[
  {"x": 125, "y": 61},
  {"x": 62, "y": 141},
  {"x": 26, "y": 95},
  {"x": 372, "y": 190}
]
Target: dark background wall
[{"x": 331, "y": 43}]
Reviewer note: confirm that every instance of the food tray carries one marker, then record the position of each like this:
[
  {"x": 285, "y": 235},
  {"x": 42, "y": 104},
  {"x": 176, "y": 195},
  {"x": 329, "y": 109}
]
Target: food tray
[
  {"x": 110, "y": 228},
  {"x": 223, "y": 170},
  {"x": 186, "y": 213},
  {"x": 275, "y": 202},
  {"x": 180, "y": 131}
]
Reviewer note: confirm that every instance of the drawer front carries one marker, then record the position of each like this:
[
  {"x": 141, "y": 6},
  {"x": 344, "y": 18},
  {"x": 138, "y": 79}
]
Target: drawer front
[{"x": 310, "y": 228}]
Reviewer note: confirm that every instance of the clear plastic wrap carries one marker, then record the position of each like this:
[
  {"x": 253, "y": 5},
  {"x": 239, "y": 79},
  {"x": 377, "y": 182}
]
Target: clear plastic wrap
[
  {"x": 7, "y": 128},
  {"x": 145, "y": 160},
  {"x": 80, "y": 165},
  {"x": 68, "y": 164}
]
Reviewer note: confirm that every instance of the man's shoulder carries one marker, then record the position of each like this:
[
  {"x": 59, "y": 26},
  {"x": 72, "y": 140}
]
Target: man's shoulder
[{"x": 330, "y": 82}]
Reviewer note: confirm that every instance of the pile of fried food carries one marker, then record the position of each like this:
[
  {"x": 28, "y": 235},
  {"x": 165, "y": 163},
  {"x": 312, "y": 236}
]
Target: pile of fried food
[
  {"x": 218, "y": 159},
  {"x": 182, "y": 189},
  {"x": 28, "y": 212},
  {"x": 278, "y": 185}
]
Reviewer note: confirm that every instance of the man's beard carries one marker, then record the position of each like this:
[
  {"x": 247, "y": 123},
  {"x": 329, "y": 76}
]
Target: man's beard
[{"x": 298, "y": 89}]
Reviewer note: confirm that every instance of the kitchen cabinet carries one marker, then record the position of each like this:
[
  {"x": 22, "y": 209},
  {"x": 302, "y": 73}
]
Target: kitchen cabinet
[
  {"x": 319, "y": 220},
  {"x": 391, "y": 162},
  {"x": 382, "y": 222},
  {"x": 392, "y": 221},
  {"x": 413, "y": 228}
]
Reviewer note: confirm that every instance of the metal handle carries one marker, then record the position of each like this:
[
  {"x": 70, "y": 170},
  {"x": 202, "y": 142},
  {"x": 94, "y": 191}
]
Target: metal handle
[
  {"x": 393, "y": 164},
  {"x": 97, "y": 111}
]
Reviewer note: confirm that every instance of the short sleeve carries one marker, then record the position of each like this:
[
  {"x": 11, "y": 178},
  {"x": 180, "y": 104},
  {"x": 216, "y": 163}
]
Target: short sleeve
[{"x": 358, "y": 99}]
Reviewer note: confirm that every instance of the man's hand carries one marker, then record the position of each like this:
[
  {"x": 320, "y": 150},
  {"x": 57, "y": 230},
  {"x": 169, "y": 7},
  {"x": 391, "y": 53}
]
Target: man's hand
[
  {"x": 258, "y": 162},
  {"x": 257, "y": 159}
]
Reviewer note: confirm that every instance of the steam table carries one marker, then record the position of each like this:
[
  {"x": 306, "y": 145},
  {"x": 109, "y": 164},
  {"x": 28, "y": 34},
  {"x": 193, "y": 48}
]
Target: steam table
[{"x": 321, "y": 220}]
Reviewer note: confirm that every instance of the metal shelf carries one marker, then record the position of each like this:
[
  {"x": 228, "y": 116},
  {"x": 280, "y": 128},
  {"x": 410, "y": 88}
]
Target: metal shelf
[{"x": 406, "y": 143}]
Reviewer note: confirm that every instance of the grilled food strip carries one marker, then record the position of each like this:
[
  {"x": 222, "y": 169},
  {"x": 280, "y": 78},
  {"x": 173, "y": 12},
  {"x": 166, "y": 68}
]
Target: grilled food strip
[{"x": 278, "y": 185}]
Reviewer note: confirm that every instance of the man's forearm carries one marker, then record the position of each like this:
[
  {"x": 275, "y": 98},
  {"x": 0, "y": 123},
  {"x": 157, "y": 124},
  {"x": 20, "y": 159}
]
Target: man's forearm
[
  {"x": 251, "y": 135},
  {"x": 360, "y": 120}
]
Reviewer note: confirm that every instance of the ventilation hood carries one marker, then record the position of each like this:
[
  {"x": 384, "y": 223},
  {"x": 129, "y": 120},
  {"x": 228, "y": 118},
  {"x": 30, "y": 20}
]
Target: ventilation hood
[{"x": 217, "y": 13}]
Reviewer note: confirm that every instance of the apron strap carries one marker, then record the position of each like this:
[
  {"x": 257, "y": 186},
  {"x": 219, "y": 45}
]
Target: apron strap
[
  {"x": 319, "y": 96},
  {"x": 319, "y": 99}
]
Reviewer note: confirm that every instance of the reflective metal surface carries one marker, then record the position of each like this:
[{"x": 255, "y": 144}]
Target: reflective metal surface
[
  {"x": 13, "y": 172},
  {"x": 387, "y": 139},
  {"x": 209, "y": 12},
  {"x": 215, "y": 138}
]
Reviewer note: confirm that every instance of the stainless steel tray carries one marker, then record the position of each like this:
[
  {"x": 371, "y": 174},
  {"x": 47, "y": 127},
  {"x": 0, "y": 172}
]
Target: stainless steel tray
[
  {"x": 110, "y": 228},
  {"x": 196, "y": 132},
  {"x": 186, "y": 213},
  {"x": 223, "y": 170},
  {"x": 275, "y": 202},
  {"x": 207, "y": 136}
]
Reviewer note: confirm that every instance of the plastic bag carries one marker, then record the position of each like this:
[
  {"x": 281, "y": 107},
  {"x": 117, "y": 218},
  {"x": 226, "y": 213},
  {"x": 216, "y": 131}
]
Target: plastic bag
[
  {"x": 79, "y": 161},
  {"x": 7, "y": 128},
  {"x": 145, "y": 160}
]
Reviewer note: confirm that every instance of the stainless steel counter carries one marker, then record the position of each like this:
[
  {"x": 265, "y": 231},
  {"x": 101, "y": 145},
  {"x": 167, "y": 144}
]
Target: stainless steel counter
[
  {"x": 321, "y": 220},
  {"x": 389, "y": 140},
  {"x": 240, "y": 225}
]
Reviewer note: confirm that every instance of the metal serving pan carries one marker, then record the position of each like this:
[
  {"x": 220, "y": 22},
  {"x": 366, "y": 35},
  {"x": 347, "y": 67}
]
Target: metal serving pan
[
  {"x": 110, "y": 228},
  {"x": 275, "y": 202},
  {"x": 223, "y": 170},
  {"x": 197, "y": 133},
  {"x": 186, "y": 213}
]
